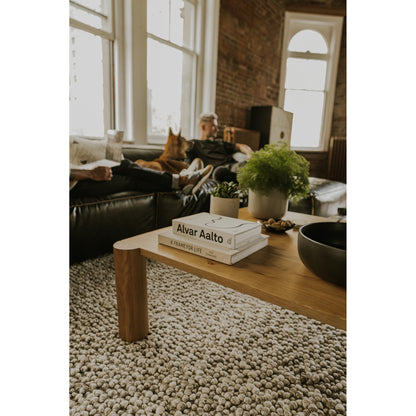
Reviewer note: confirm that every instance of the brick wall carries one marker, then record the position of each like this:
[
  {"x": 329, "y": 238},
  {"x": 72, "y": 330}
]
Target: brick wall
[
  {"x": 249, "y": 52},
  {"x": 248, "y": 58},
  {"x": 339, "y": 118}
]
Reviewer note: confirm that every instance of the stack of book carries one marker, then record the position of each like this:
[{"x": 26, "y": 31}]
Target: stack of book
[{"x": 224, "y": 239}]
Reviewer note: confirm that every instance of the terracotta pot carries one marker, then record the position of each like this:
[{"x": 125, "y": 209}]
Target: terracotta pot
[
  {"x": 264, "y": 207},
  {"x": 224, "y": 206}
]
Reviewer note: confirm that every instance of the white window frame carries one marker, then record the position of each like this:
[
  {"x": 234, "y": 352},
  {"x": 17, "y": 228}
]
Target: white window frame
[
  {"x": 108, "y": 74},
  {"x": 191, "y": 52},
  {"x": 107, "y": 33},
  {"x": 330, "y": 27},
  {"x": 130, "y": 52}
]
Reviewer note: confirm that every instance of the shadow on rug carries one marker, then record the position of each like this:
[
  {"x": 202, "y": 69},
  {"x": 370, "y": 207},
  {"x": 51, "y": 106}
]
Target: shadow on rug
[{"x": 210, "y": 351}]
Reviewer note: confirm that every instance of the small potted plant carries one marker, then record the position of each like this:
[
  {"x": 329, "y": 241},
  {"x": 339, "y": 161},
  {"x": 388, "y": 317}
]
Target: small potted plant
[
  {"x": 273, "y": 175},
  {"x": 225, "y": 199}
]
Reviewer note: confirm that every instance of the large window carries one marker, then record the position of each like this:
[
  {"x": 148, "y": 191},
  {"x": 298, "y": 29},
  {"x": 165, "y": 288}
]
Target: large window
[
  {"x": 308, "y": 76},
  {"x": 171, "y": 67},
  {"x": 90, "y": 84},
  {"x": 142, "y": 66}
]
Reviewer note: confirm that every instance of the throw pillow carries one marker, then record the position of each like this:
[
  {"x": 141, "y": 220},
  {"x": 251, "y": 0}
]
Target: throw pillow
[{"x": 86, "y": 149}]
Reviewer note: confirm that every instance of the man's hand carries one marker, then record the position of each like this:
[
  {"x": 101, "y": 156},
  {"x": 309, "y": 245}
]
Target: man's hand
[
  {"x": 99, "y": 174},
  {"x": 243, "y": 148}
]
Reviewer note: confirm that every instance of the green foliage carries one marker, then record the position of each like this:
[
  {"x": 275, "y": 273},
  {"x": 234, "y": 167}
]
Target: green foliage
[
  {"x": 275, "y": 166},
  {"x": 226, "y": 190}
]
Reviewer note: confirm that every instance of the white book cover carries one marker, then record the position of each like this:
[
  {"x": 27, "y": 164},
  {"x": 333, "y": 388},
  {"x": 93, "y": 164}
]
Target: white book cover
[
  {"x": 204, "y": 249},
  {"x": 88, "y": 153},
  {"x": 92, "y": 165},
  {"x": 222, "y": 231}
]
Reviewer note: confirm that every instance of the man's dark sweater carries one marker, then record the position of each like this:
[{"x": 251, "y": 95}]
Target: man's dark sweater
[{"x": 212, "y": 152}]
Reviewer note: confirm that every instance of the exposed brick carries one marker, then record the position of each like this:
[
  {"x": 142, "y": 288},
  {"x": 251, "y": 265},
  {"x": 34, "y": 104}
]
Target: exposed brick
[{"x": 249, "y": 53}]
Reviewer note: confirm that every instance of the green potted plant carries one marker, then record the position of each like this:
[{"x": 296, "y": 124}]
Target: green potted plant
[
  {"x": 225, "y": 199},
  {"x": 273, "y": 175}
]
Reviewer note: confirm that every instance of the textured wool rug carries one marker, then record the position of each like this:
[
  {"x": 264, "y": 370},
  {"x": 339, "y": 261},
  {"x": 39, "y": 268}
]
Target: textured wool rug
[{"x": 210, "y": 351}]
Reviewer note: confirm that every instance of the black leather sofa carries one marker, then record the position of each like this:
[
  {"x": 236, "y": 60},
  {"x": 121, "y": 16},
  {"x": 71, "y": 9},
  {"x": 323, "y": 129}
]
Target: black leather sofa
[{"x": 97, "y": 223}]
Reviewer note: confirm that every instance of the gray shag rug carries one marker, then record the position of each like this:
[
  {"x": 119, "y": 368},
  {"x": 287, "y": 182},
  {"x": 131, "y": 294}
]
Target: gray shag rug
[{"x": 210, "y": 351}]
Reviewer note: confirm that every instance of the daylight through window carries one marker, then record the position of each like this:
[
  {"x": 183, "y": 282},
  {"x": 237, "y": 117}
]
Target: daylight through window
[
  {"x": 171, "y": 68},
  {"x": 308, "y": 76},
  {"x": 90, "y": 86}
]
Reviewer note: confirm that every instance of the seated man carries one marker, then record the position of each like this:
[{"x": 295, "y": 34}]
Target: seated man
[
  {"x": 216, "y": 152},
  {"x": 129, "y": 176}
]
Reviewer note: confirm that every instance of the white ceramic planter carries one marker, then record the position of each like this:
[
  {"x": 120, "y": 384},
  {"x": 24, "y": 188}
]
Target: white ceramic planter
[
  {"x": 265, "y": 207},
  {"x": 224, "y": 206}
]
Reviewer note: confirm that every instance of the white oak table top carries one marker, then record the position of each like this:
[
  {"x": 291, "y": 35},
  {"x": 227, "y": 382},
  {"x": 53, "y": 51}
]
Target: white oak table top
[{"x": 274, "y": 274}]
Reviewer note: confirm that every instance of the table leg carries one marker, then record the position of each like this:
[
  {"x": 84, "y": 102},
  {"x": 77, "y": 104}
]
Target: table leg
[{"x": 131, "y": 286}]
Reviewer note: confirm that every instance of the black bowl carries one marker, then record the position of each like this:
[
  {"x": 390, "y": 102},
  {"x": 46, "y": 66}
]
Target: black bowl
[{"x": 323, "y": 250}]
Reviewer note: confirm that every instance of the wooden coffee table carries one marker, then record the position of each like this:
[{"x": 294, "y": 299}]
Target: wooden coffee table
[{"x": 274, "y": 274}]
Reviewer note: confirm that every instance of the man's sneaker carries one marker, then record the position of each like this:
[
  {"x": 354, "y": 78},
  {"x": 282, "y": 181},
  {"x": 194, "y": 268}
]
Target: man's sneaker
[
  {"x": 197, "y": 164},
  {"x": 196, "y": 179}
]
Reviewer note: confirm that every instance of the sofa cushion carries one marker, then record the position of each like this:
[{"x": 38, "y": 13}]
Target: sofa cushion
[
  {"x": 97, "y": 223},
  {"x": 145, "y": 152},
  {"x": 326, "y": 196}
]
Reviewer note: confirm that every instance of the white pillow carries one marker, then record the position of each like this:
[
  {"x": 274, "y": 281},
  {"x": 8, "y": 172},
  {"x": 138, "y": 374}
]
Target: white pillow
[
  {"x": 115, "y": 145},
  {"x": 84, "y": 150}
]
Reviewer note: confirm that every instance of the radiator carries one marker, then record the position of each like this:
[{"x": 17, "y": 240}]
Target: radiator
[{"x": 337, "y": 162}]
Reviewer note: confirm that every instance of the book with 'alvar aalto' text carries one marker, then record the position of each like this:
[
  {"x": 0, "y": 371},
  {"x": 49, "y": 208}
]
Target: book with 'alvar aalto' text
[
  {"x": 206, "y": 249},
  {"x": 218, "y": 230}
]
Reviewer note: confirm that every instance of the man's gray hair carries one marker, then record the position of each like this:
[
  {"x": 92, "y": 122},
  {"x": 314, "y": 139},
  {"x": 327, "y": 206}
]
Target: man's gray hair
[{"x": 207, "y": 117}]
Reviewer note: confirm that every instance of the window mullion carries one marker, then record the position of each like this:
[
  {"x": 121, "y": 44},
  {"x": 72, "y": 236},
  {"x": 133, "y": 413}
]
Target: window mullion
[
  {"x": 303, "y": 89},
  {"x": 87, "y": 9},
  {"x": 87, "y": 28},
  {"x": 170, "y": 18},
  {"x": 172, "y": 45},
  {"x": 308, "y": 55}
]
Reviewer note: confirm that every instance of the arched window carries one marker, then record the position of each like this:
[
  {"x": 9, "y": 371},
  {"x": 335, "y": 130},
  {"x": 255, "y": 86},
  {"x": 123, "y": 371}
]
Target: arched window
[
  {"x": 308, "y": 41},
  {"x": 308, "y": 75}
]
